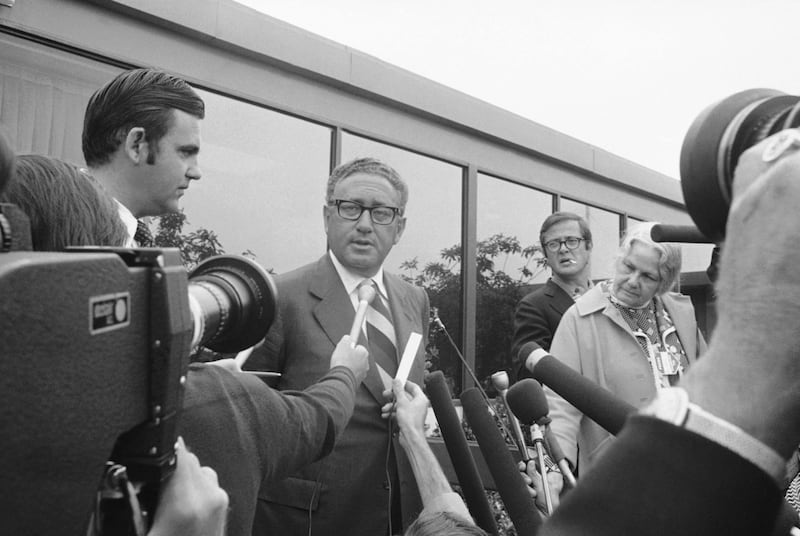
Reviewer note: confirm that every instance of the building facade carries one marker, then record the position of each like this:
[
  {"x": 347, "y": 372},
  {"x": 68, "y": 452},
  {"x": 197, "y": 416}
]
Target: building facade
[{"x": 284, "y": 106}]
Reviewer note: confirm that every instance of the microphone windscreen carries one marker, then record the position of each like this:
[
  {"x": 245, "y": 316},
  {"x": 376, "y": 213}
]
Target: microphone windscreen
[
  {"x": 595, "y": 402},
  {"x": 507, "y": 477},
  {"x": 527, "y": 401},
  {"x": 456, "y": 443}
]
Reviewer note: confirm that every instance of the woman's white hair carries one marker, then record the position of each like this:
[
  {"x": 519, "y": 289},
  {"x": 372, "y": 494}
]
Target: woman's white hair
[{"x": 670, "y": 258}]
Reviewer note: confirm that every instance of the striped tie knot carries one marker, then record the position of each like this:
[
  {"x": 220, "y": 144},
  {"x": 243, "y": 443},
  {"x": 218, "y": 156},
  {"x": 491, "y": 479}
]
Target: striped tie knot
[{"x": 381, "y": 336}]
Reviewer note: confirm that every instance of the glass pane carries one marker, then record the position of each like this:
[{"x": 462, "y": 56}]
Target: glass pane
[
  {"x": 263, "y": 185},
  {"x": 429, "y": 252},
  {"x": 509, "y": 262},
  {"x": 43, "y": 96},
  {"x": 605, "y": 236}
]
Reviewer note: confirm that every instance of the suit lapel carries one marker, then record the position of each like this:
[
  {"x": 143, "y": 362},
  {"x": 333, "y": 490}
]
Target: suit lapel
[
  {"x": 335, "y": 315},
  {"x": 560, "y": 301},
  {"x": 405, "y": 321}
]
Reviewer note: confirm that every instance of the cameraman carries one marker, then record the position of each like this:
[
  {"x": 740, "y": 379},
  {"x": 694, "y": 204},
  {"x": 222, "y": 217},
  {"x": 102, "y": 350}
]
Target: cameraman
[{"x": 244, "y": 430}]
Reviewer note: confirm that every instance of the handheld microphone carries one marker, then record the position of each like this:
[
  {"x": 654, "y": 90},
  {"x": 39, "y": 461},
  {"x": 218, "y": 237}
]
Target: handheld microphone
[
  {"x": 458, "y": 449},
  {"x": 366, "y": 293},
  {"x": 595, "y": 402},
  {"x": 529, "y": 402},
  {"x": 500, "y": 382},
  {"x": 512, "y": 488},
  {"x": 527, "y": 399}
]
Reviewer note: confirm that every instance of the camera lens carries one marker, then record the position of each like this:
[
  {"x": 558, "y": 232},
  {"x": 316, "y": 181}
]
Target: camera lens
[
  {"x": 233, "y": 302},
  {"x": 715, "y": 141}
]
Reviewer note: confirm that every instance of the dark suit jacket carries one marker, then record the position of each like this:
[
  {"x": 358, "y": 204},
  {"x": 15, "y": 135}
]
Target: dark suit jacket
[
  {"x": 536, "y": 319},
  {"x": 347, "y": 491},
  {"x": 658, "y": 479},
  {"x": 249, "y": 433}
]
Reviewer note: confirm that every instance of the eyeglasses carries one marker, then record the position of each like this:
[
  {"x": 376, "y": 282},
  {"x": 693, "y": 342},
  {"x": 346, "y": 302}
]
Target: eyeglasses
[
  {"x": 572, "y": 242},
  {"x": 350, "y": 210}
]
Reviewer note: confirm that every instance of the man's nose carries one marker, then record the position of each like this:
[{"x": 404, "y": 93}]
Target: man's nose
[
  {"x": 364, "y": 221},
  {"x": 194, "y": 173}
]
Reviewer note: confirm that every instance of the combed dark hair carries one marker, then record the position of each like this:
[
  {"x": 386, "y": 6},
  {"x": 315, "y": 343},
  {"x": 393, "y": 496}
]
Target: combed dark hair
[
  {"x": 558, "y": 217},
  {"x": 139, "y": 98},
  {"x": 66, "y": 206},
  {"x": 370, "y": 166},
  {"x": 442, "y": 524}
]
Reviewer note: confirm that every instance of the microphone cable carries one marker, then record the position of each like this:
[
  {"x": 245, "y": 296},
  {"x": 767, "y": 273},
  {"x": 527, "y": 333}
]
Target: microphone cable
[{"x": 439, "y": 324}]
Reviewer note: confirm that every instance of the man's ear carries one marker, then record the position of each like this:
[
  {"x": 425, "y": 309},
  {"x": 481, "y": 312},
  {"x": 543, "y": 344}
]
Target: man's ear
[{"x": 135, "y": 146}]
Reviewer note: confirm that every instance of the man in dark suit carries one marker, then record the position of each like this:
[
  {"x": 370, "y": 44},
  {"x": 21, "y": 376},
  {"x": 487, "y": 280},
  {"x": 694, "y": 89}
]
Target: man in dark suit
[
  {"x": 364, "y": 486},
  {"x": 566, "y": 241}
]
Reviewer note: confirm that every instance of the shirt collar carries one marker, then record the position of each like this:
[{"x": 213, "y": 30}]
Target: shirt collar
[
  {"x": 352, "y": 280},
  {"x": 130, "y": 222}
]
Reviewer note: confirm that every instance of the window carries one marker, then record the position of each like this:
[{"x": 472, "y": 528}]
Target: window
[{"x": 509, "y": 262}]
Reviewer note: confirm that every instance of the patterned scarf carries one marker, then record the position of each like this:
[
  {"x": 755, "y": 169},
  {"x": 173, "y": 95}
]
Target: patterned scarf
[{"x": 656, "y": 334}]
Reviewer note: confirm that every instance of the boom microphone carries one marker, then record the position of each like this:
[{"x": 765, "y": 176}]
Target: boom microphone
[
  {"x": 595, "y": 402},
  {"x": 688, "y": 234},
  {"x": 510, "y": 485},
  {"x": 458, "y": 449}
]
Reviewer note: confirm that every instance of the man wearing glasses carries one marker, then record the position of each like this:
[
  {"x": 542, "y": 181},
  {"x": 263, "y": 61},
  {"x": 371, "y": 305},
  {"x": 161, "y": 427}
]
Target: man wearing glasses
[
  {"x": 358, "y": 489},
  {"x": 567, "y": 245}
]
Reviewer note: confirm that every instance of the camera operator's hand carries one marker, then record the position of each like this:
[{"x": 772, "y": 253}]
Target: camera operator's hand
[
  {"x": 354, "y": 358},
  {"x": 192, "y": 501},
  {"x": 756, "y": 336}
]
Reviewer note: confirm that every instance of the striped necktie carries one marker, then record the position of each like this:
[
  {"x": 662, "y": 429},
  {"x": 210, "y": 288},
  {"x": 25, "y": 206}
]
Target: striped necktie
[
  {"x": 142, "y": 236},
  {"x": 381, "y": 336}
]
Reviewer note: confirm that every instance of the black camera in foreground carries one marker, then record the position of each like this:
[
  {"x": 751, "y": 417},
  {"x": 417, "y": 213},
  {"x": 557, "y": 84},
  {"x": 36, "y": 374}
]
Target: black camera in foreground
[
  {"x": 715, "y": 141},
  {"x": 94, "y": 349}
]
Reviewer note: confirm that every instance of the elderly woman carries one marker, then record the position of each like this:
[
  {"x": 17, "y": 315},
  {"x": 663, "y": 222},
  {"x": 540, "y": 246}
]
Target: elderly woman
[{"x": 630, "y": 335}]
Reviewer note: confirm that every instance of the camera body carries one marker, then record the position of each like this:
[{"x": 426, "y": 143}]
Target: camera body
[{"x": 95, "y": 346}]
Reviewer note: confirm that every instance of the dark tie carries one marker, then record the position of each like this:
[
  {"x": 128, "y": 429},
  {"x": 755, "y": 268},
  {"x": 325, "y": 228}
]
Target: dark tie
[
  {"x": 142, "y": 236},
  {"x": 381, "y": 336}
]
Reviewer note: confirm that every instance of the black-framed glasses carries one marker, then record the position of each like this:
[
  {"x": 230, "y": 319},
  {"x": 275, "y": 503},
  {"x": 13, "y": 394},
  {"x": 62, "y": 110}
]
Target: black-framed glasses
[
  {"x": 572, "y": 242},
  {"x": 351, "y": 210}
]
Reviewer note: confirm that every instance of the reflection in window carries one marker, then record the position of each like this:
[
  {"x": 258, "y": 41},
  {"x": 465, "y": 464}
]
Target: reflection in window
[
  {"x": 43, "y": 96},
  {"x": 429, "y": 253},
  {"x": 263, "y": 185},
  {"x": 509, "y": 262},
  {"x": 605, "y": 236}
]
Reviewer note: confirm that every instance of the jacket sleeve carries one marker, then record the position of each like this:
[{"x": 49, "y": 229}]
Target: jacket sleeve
[
  {"x": 661, "y": 479},
  {"x": 566, "y": 418},
  {"x": 283, "y": 430},
  {"x": 530, "y": 324}
]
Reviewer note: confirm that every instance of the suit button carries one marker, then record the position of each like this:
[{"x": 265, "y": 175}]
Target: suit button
[{"x": 385, "y": 485}]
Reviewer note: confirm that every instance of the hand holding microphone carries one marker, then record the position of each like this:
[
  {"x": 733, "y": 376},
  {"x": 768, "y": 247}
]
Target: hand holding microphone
[
  {"x": 366, "y": 293},
  {"x": 527, "y": 400}
]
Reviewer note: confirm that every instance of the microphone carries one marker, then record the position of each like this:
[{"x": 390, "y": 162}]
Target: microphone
[
  {"x": 527, "y": 399},
  {"x": 458, "y": 449},
  {"x": 512, "y": 488},
  {"x": 529, "y": 402},
  {"x": 366, "y": 293},
  {"x": 500, "y": 382},
  {"x": 688, "y": 234},
  {"x": 597, "y": 403}
]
